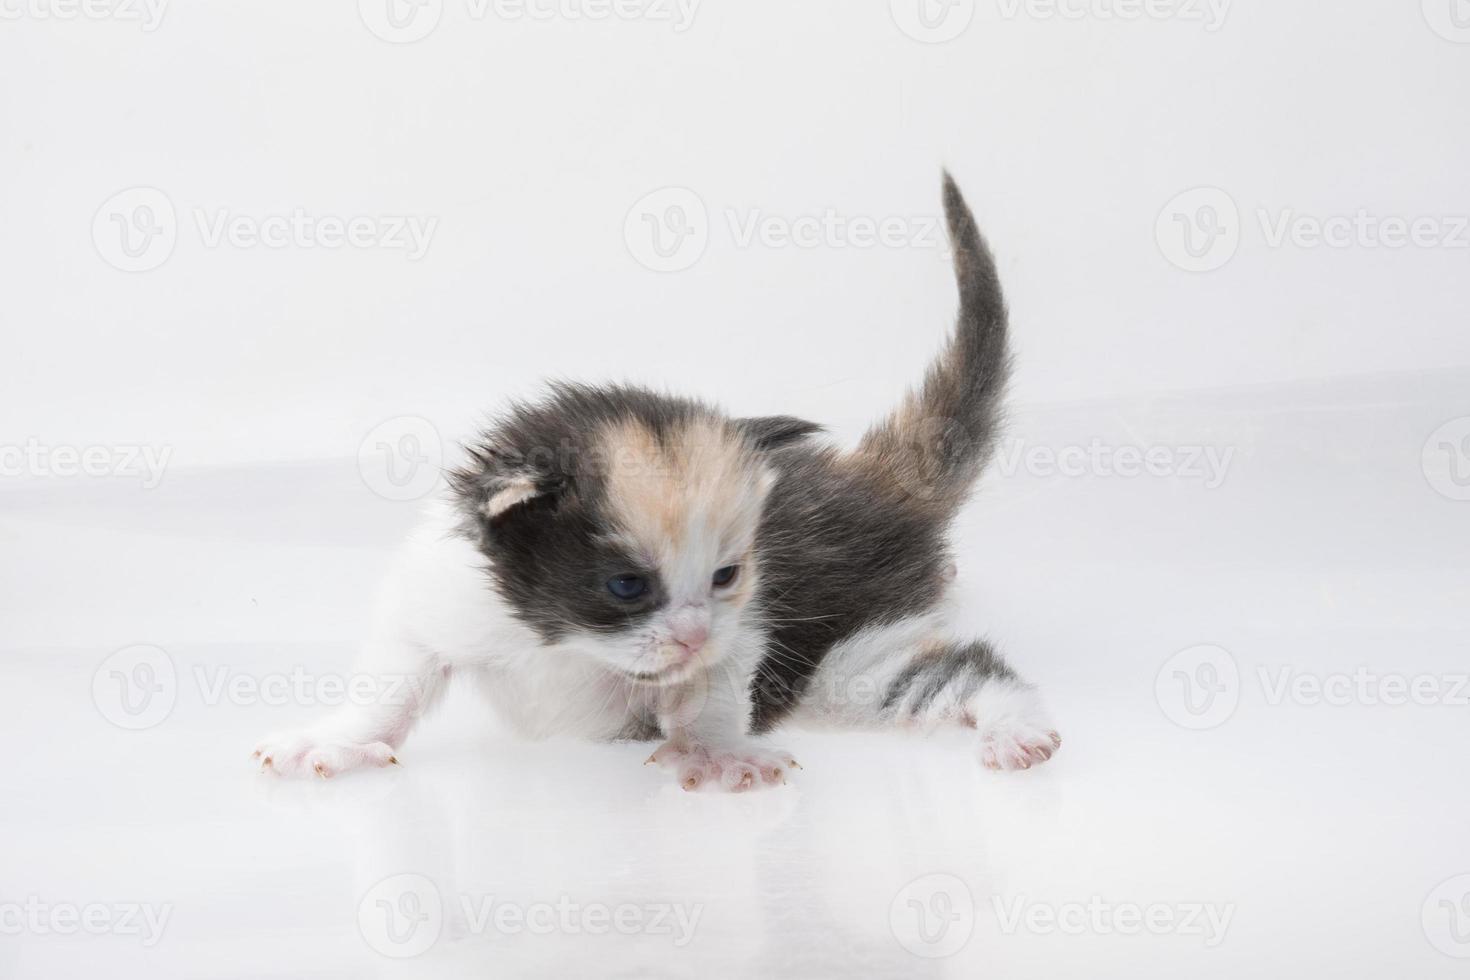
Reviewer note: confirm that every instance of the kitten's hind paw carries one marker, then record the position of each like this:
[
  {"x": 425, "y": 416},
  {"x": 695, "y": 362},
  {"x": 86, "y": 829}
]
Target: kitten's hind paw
[
  {"x": 731, "y": 769},
  {"x": 1002, "y": 749},
  {"x": 1016, "y": 732}
]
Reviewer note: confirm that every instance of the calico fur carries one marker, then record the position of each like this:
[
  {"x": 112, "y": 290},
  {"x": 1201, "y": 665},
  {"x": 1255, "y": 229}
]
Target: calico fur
[{"x": 841, "y": 567}]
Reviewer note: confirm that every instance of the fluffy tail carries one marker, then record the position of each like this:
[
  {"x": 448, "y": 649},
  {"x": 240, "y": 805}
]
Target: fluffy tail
[{"x": 938, "y": 440}]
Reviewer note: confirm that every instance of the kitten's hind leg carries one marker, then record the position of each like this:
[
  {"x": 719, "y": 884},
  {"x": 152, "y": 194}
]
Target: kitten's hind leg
[
  {"x": 969, "y": 684},
  {"x": 908, "y": 675}
]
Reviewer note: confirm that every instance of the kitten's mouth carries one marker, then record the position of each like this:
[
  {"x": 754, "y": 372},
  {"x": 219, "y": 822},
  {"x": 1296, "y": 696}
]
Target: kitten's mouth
[{"x": 669, "y": 674}]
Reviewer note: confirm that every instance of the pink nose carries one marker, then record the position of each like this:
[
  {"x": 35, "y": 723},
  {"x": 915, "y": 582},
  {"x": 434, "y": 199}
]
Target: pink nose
[{"x": 692, "y": 638}]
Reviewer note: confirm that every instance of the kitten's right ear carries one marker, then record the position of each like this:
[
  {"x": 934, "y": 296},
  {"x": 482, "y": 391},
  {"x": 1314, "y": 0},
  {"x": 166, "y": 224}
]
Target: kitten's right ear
[
  {"x": 775, "y": 431},
  {"x": 492, "y": 483}
]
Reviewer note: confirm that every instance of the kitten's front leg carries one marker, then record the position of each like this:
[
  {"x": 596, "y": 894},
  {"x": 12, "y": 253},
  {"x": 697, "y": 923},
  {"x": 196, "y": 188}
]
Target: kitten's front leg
[
  {"x": 390, "y": 689},
  {"x": 707, "y": 721}
]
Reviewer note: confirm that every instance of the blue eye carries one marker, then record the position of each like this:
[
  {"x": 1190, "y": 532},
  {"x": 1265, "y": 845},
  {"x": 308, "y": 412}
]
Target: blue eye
[
  {"x": 725, "y": 576},
  {"x": 628, "y": 587}
]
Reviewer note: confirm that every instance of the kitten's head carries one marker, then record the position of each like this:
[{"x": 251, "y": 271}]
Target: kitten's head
[{"x": 623, "y": 524}]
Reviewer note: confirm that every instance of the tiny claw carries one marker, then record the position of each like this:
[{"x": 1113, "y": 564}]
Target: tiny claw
[
  {"x": 321, "y": 770},
  {"x": 650, "y": 760},
  {"x": 1056, "y": 740},
  {"x": 393, "y": 761},
  {"x": 255, "y": 754},
  {"x": 795, "y": 764}
]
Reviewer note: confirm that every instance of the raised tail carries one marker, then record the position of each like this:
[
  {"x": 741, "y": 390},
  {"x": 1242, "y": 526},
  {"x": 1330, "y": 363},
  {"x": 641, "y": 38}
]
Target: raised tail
[{"x": 938, "y": 440}]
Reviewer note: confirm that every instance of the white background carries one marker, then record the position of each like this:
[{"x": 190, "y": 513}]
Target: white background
[
  {"x": 1333, "y": 383},
  {"x": 529, "y": 140}
]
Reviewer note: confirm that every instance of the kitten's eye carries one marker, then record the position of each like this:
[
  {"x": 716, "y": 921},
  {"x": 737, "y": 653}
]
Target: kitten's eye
[
  {"x": 725, "y": 576},
  {"x": 628, "y": 587}
]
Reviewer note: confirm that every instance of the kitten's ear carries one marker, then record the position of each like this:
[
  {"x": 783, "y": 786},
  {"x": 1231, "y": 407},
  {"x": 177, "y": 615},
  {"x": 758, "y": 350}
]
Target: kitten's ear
[
  {"x": 775, "y": 431},
  {"x": 492, "y": 484},
  {"x": 512, "y": 492}
]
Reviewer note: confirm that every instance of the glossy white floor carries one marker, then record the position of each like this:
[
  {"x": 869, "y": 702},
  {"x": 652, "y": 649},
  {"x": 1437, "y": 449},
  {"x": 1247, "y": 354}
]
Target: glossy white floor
[{"x": 1213, "y": 813}]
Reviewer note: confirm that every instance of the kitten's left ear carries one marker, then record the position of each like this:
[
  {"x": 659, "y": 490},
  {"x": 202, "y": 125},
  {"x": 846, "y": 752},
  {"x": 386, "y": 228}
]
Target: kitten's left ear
[{"x": 775, "y": 431}]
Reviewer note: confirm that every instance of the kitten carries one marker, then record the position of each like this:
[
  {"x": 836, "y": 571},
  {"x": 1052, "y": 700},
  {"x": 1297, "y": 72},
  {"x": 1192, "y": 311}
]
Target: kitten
[{"x": 619, "y": 564}]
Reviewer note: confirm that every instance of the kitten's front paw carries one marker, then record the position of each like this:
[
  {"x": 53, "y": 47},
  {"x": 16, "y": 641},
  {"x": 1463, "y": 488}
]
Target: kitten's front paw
[
  {"x": 735, "y": 769},
  {"x": 309, "y": 754}
]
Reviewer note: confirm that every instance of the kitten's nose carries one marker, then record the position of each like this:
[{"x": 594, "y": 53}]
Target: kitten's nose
[{"x": 691, "y": 636}]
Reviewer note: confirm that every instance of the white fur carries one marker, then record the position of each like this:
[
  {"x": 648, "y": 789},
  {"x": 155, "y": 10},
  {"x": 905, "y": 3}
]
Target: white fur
[{"x": 438, "y": 617}]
